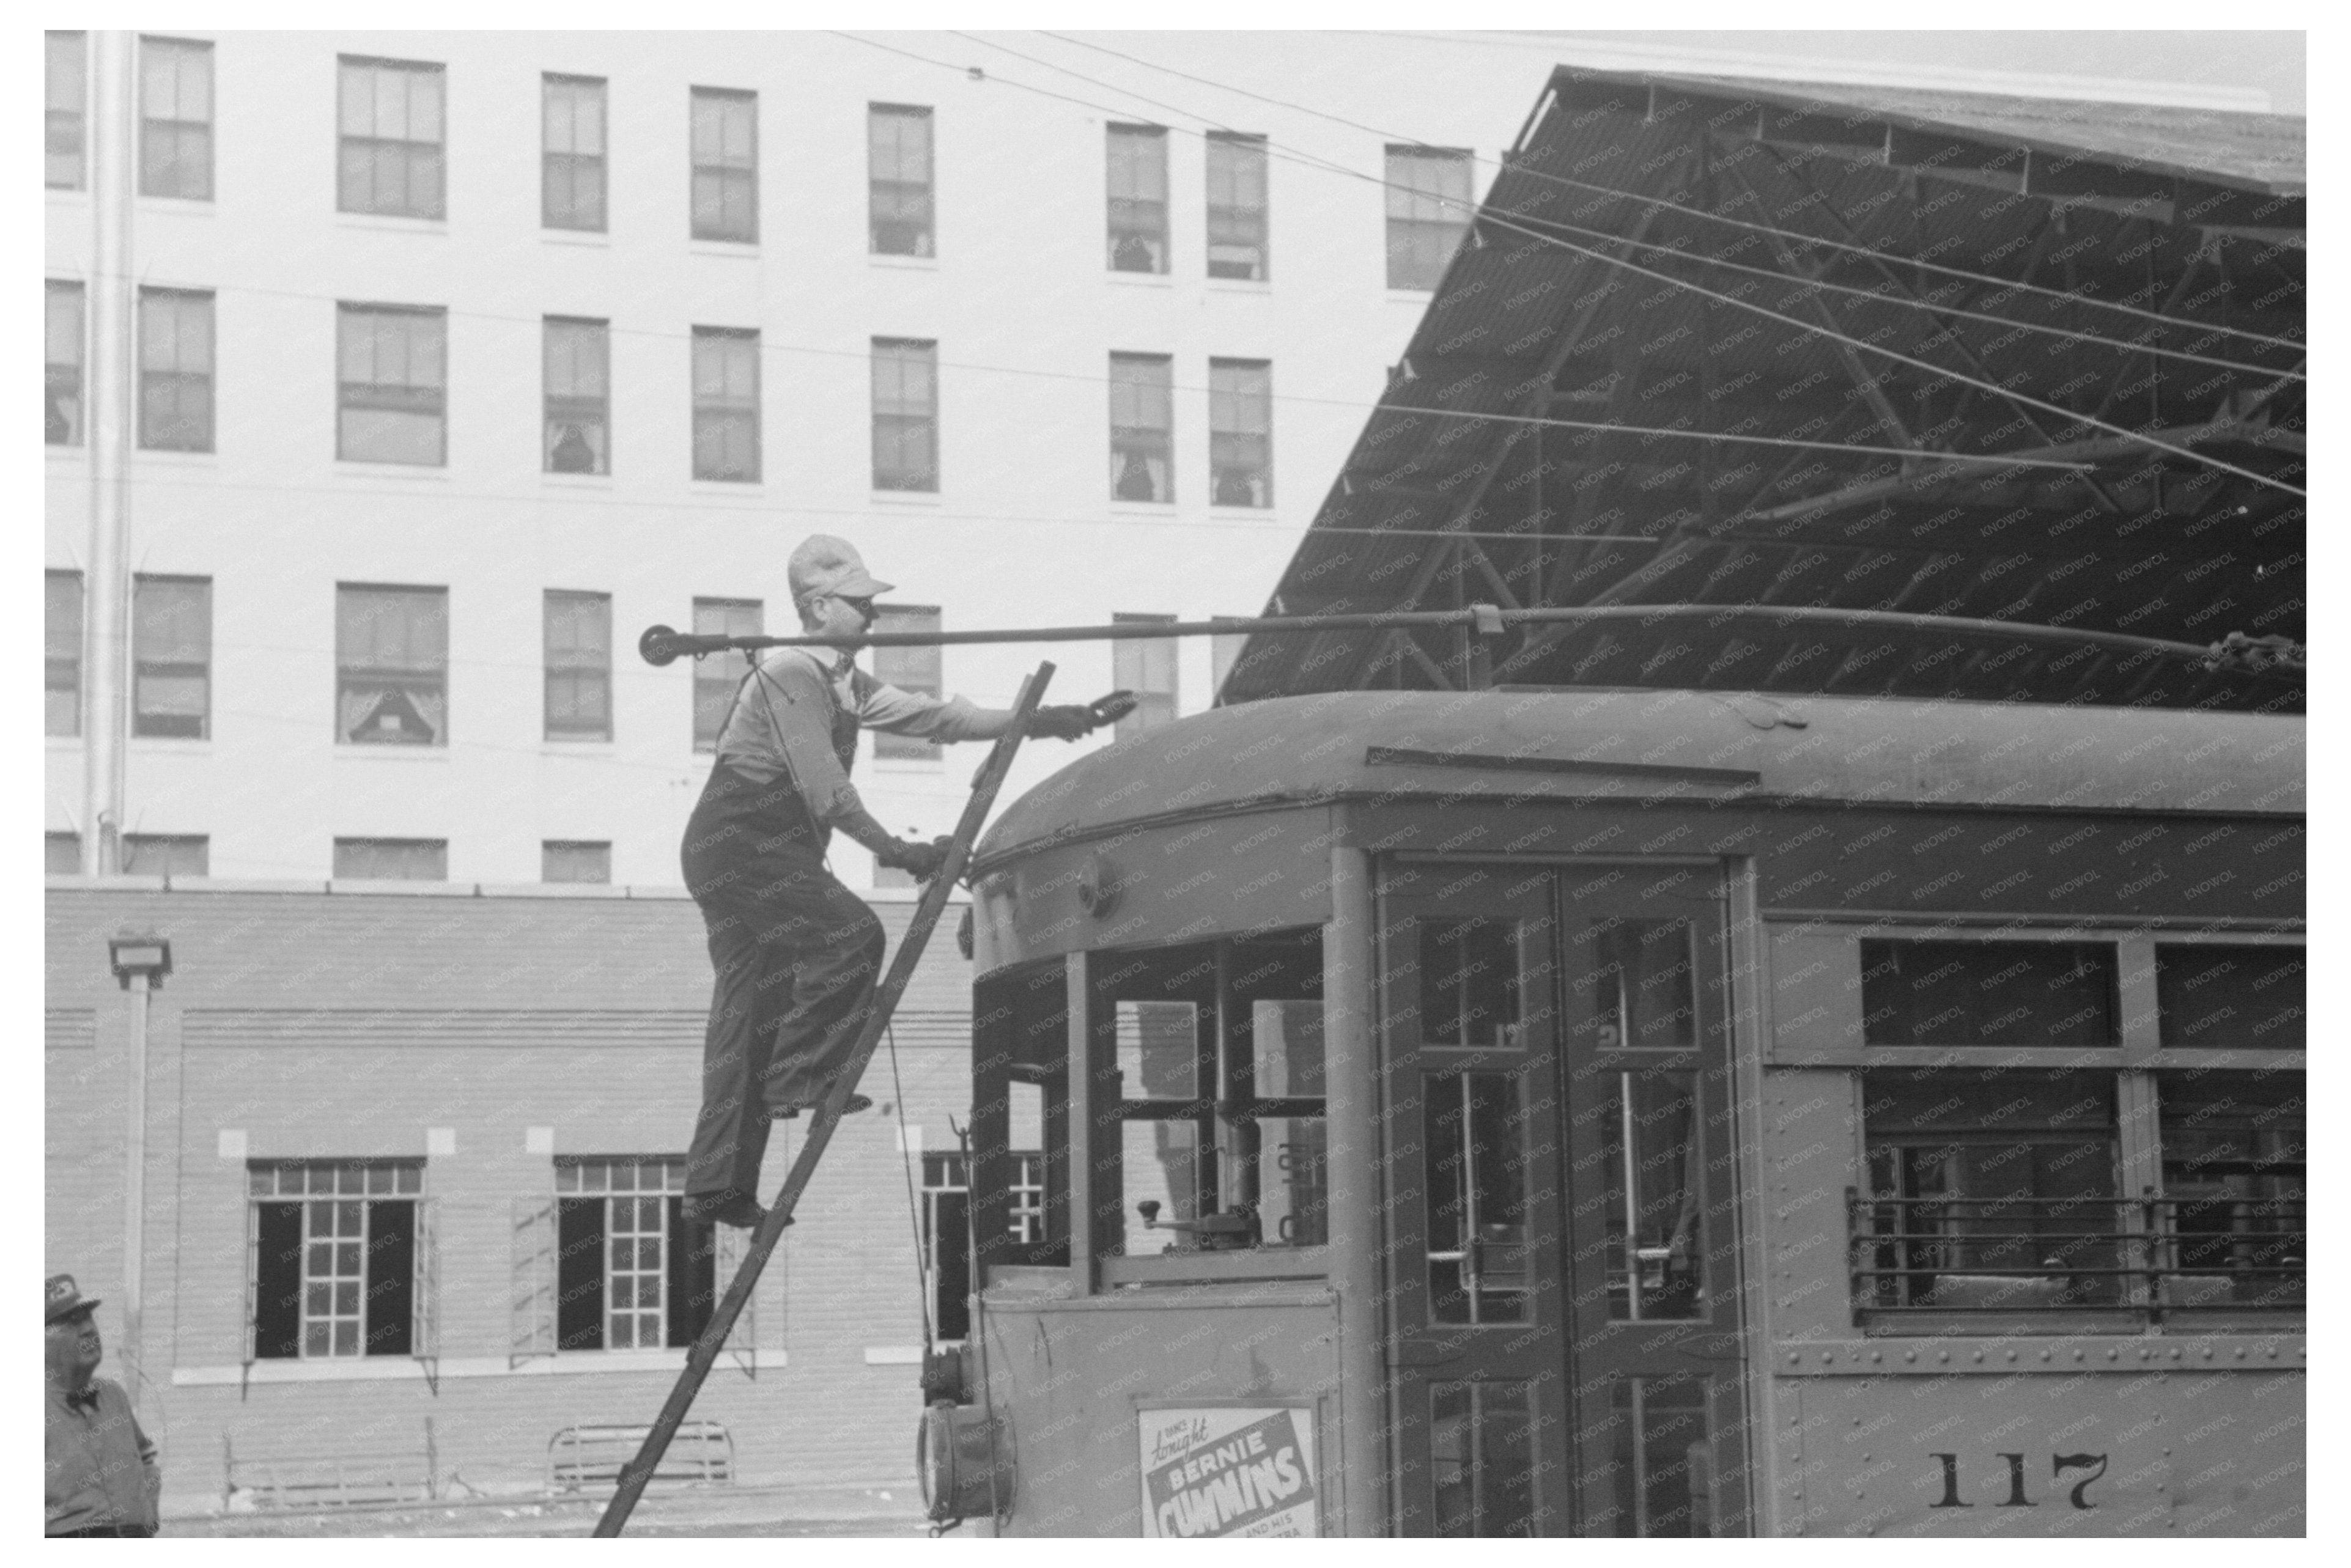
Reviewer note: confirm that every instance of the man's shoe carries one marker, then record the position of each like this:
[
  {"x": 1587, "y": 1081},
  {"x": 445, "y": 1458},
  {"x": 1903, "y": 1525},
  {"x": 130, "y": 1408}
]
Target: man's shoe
[{"x": 728, "y": 1206}]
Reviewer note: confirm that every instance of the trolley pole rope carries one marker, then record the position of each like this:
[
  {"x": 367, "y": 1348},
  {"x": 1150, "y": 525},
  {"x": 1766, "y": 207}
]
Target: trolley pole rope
[{"x": 933, "y": 903}]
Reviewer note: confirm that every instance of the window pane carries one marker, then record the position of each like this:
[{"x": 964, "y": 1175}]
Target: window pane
[
  {"x": 1482, "y": 1459},
  {"x": 1654, "y": 1178},
  {"x": 905, "y": 414},
  {"x": 393, "y": 662},
  {"x": 1237, "y": 205},
  {"x": 1293, "y": 1180},
  {"x": 392, "y": 859},
  {"x": 577, "y": 437},
  {"x": 175, "y": 131},
  {"x": 176, "y": 369},
  {"x": 1987, "y": 993},
  {"x": 170, "y": 649},
  {"x": 575, "y": 861},
  {"x": 571, "y": 172},
  {"x": 67, "y": 75},
  {"x": 389, "y": 156},
  {"x": 726, "y": 405},
  {"x": 2230, "y": 996},
  {"x": 1141, "y": 427},
  {"x": 898, "y": 164},
  {"x": 913, "y": 669},
  {"x": 725, "y": 187},
  {"x": 579, "y": 665},
  {"x": 166, "y": 854},
  {"x": 1138, "y": 198},
  {"x": 1285, "y": 1050},
  {"x": 1161, "y": 1165},
  {"x": 1428, "y": 211},
  {"x": 1991, "y": 1191},
  {"x": 1159, "y": 1050},
  {"x": 1469, "y": 991},
  {"x": 62, "y": 632},
  {"x": 1145, "y": 666},
  {"x": 718, "y": 677},
  {"x": 1240, "y": 432},
  {"x": 1479, "y": 1254},
  {"x": 392, "y": 380},
  {"x": 2235, "y": 1163},
  {"x": 1663, "y": 1459},
  {"x": 62, "y": 402}
]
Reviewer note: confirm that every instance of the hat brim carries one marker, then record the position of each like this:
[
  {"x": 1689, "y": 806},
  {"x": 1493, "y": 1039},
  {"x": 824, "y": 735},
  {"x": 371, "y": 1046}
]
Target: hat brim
[
  {"x": 62, "y": 1313},
  {"x": 859, "y": 585}
]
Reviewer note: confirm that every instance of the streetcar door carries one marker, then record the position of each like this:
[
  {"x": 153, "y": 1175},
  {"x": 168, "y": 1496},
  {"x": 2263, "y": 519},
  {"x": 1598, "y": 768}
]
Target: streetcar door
[
  {"x": 1651, "y": 1261},
  {"x": 1476, "y": 1352}
]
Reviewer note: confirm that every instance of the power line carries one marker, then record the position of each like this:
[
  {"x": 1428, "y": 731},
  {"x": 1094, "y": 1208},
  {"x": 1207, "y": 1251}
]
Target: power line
[
  {"x": 2011, "y": 285},
  {"x": 1993, "y": 388}
]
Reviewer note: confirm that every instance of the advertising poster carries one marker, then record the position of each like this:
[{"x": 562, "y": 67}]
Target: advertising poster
[{"x": 1228, "y": 1471}]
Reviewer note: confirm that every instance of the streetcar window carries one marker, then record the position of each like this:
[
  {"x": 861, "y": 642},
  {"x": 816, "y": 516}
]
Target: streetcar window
[
  {"x": 1662, "y": 1463},
  {"x": 1159, "y": 1165},
  {"x": 1987, "y": 993},
  {"x": 1469, "y": 983},
  {"x": 1286, "y": 1048},
  {"x": 1159, "y": 1050},
  {"x": 1480, "y": 1253},
  {"x": 2234, "y": 1211},
  {"x": 2232, "y": 996},
  {"x": 1639, "y": 975},
  {"x": 1991, "y": 1191},
  {"x": 1652, "y": 1176},
  {"x": 1294, "y": 1181},
  {"x": 1482, "y": 1457}
]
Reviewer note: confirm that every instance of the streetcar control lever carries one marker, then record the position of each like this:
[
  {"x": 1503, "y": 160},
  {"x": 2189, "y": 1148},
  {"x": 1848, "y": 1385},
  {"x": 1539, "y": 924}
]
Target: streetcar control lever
[{"x": 1234, "y": 1228}]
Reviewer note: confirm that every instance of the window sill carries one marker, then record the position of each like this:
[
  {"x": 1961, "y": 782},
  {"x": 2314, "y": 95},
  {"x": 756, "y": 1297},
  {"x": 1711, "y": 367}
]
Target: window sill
[
  {"x": 1142, "y": 508},
  {"x": 577, "y": 481},
  {"x": 357, "y": 749},
  {"x": 393, "y": 223},
  {"x": 387, "y": 1368},
  {"x": 751, "y": 488},
  {"x": 908, "y": 263},
  {"x": 740, "y": 249},
  {"x": 367, "y": 468},
  {"x": 185, "y": 207},
  {"x": 907, "y": 497},
  {"x": 1142, "y": 280},
  {"x": 172, "y": 456},
  {"x": 1240, "y": 286},
  {"x": 581, "y": 748},
  {"x": 596, "y": 238},
  {"x": 166, "y": 745}
]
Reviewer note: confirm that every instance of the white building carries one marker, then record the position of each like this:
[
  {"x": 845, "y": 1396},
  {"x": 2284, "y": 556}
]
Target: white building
[{"x": 452, "y": 360}]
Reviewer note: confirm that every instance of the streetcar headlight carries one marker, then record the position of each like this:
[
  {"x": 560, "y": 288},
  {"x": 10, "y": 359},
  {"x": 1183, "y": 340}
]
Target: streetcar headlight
[{"x": 964, "y": 1472}]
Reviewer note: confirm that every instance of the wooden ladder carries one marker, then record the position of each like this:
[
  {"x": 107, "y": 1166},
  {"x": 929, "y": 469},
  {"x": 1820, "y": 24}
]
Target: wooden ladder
[{"x": 638, "y": 1471}]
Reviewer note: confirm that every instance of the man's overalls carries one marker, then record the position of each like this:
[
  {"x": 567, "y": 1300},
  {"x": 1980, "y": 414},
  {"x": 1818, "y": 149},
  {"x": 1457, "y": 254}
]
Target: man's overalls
[{"x": 797, "y": 955}]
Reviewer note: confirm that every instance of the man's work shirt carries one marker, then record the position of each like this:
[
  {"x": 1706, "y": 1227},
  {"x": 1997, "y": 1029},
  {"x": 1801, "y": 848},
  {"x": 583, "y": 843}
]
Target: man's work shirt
[
  {"x": 101, "y": 1468},
  {"x": 797, "y": 716}
]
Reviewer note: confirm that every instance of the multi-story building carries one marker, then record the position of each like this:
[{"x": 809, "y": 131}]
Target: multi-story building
[{"x": 450, "y": 361}]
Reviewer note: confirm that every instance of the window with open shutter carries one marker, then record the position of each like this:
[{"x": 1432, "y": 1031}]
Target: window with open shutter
[{"x": 534, "y": 1291}]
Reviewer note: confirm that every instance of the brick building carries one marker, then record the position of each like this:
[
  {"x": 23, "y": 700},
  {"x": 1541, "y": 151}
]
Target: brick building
[{"x": 472, "y": 1073}]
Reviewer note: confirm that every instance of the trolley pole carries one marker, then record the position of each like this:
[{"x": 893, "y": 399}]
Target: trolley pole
[{"x": 1351, "y": 1081}]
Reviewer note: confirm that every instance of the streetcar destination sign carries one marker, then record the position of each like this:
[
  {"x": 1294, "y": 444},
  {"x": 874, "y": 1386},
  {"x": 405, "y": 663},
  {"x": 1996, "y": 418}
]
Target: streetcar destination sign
[{"x": 1227, "y": 1470}]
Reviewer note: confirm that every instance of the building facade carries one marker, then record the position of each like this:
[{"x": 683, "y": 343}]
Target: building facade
[{"x": 445, "y": 363}]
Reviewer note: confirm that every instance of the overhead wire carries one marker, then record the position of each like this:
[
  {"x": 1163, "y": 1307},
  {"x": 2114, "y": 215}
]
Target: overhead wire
[
  {"x": 1660, "y": 203},
  {"x": 1479, "y": 216}
]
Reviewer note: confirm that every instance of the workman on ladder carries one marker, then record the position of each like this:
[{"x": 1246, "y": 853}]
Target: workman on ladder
[{"x": 798, "y": 955}]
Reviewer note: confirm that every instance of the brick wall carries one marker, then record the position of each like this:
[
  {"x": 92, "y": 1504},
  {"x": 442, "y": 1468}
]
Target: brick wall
[{"x": 343, "y": 1024}]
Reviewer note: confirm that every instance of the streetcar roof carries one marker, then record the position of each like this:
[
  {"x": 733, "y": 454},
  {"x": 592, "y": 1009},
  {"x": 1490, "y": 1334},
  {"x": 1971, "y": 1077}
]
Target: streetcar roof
[{"x": 1668, "y": 746}]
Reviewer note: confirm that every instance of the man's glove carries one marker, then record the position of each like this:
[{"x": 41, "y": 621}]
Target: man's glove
[
  {"x": 1068, "y": 721},
  {"x": 922, "y": 859}
]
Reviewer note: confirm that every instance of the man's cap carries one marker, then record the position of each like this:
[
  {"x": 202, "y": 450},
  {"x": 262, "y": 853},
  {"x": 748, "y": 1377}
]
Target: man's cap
[
  {"x": 824, "y": 564},
  {"x": 63, "y": 1298}
]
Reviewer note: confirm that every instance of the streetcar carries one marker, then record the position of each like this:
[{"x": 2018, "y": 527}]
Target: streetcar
[{"x": 1639, "y": 1113}]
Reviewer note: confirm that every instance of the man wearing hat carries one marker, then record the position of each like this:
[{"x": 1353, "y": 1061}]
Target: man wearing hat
[
  {"x": 102, "y": 1475},
  {"x": 798, "y": 955}
]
